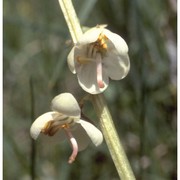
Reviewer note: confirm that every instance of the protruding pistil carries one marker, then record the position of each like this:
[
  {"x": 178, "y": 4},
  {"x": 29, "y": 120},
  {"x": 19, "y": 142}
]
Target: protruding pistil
[
  {"x": 73, "y": 144},
  {"x": 99, "y": 71}
]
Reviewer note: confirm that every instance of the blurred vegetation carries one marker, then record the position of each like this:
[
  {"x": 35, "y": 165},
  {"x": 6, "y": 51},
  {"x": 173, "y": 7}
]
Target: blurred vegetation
[{"x": 143, "y": 105}]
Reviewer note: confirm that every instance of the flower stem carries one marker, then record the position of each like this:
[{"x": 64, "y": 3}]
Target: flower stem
[
  {"x": 112, "y": 139},
  {"x": 33, "y": 144},
  {"x": 106, "y": 122},
  {"x": 71, "y": 19}
]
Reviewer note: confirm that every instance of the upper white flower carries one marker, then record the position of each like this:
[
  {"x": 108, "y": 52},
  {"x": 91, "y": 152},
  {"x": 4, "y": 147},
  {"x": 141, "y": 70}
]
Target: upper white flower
[
  {"x": 99, "y": 55},
  {"x": 66, "y": 116}
]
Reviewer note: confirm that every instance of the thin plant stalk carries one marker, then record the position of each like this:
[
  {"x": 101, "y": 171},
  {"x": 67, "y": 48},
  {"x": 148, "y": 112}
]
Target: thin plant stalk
[
  {"x": 109, "y": 131},
  {"x": 71, "y": 19},
  {"x": 112, "y": 139},
  {"x": 33, "y": 145}
]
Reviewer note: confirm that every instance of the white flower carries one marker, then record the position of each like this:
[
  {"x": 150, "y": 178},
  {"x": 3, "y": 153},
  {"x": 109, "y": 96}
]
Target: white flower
[
  {"x": 99, "y": 55},
  {"x": 66, "y": 118}
]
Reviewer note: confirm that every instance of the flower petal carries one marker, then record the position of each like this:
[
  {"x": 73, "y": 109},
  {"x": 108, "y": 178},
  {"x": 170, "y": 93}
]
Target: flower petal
[
  {"x": 119, "y": 43},
  {"x": 91, "y": 35},
  {"x": 94, "y": 134},
  {"x": 71, "y": 61},
  {"x": 40, "y": 122},
  {"x": 116, "y": 66},
  {"x": 81, "y": 136},
  {"x": 87, "y": 78},
  {"x": 66, "y": 103},
  {"x": 57, "y": 137}
]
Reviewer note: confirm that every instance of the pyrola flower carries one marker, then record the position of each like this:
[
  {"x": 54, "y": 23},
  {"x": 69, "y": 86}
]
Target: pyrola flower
[
  {"x": 99, "y": 55},
  {"x": 65, "y": 118}
]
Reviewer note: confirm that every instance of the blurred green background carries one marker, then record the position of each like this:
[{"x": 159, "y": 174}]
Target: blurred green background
[{"x": 143, "y": 105}]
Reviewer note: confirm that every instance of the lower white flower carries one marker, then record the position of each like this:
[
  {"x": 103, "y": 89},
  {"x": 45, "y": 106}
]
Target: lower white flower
[
  {"x": 66, "y": 117},
  {"x": 99, "y": 55}
]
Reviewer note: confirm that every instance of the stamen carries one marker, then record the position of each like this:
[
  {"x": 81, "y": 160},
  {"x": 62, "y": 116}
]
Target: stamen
[
  {"x": 99, "y": 71},
  {"x": 83, "y": 60},
  {"x": 102, "y": 39},
  {"x": 104, "y": 46},
  {"x": 90, "y": 50},
  {"x": 74, "y": 146},
  {"x": 53, "y": 130},
  {"x": 49, "y": 129}
]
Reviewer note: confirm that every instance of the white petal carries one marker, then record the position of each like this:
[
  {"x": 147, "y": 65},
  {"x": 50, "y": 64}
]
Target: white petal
[
  {"x": 116, "y": 62},
  {"x": 57, "y": 137},
  {"x": 91, "y": 35},
  {"x": 87, "y": 78},
  {"x": 116, "y": 66},
  {"x": 66, "y": 103},
  {"x": 81, "y": 136},
  {"x": 40, "y": 122},
  {"x": 71, "y": 61},
  {"x": 94, "y": 134},
  {"x": 73, "y": 55},
  {"x": 118, "y": 42}
]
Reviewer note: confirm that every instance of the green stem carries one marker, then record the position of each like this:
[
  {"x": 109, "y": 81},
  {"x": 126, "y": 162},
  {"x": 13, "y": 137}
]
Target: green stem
[
  {"x": 106, "y": 122},
  {"x": 71, "y": 19},
  {"x": 112, "y": 139},
  {"x": 33, "y": 145}
]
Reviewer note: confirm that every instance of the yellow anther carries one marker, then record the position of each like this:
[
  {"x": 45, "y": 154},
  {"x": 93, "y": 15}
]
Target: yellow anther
[
  {"x": 102, "y": 41},
  {"x": 65, "y": 126}
]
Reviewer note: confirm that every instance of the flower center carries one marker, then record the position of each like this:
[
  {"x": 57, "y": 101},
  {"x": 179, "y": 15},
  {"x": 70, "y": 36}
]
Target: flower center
[
  {"x": 99, "y": 49},
  {"x": 51, "y": 128},
  {"x": 101, "y": 44},
  {"x": 95, "y": 53}
]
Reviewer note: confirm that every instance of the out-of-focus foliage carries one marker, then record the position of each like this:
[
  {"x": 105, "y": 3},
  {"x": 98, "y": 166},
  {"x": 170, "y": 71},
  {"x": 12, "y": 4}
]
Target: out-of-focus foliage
[{"x": 143, "y": 105}]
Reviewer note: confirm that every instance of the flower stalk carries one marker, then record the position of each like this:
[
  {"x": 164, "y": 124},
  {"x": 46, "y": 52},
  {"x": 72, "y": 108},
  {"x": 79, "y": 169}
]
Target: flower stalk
[
  {"x": 71, "y": 19},
  {"x": 111, "y": 137},
  {"x": 113, "y": 142}
]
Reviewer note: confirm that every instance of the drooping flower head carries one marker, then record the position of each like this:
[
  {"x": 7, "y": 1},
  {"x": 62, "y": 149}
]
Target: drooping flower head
[
  {"x": 99, "y": 55},
  {"x": 65, "y": 118}
]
